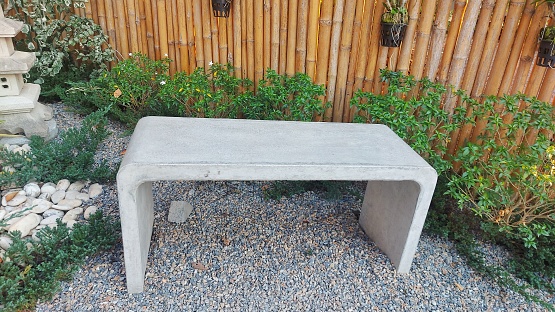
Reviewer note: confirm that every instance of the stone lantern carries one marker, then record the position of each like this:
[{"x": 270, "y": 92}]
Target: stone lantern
[{"x": 20, "y": 111}]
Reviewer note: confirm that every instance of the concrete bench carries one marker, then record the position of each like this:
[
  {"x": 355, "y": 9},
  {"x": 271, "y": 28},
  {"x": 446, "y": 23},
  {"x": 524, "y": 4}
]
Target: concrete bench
[{"x": 398, "y": 194}]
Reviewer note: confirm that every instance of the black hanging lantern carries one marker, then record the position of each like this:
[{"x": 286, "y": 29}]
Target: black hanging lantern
[{"x": 221, "y": 8}]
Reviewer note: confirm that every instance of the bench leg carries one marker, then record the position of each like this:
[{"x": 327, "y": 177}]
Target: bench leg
[
  {"x": 392, "y": 215},
  {"x": 137, "y": 217}
]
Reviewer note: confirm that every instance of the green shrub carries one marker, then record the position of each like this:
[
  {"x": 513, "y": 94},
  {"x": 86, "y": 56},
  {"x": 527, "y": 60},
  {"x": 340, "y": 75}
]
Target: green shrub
[
  {"x": 70, "y": 157},
  {"x": 30, "y": 273},
  {"x": 67, "y": 46}
]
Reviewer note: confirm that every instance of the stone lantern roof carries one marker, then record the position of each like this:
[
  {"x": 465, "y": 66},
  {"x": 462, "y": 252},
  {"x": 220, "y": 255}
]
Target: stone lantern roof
[{"x": 8, "y": 27}]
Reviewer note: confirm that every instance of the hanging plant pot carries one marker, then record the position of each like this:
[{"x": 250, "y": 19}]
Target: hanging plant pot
[
  {"x": 546, "y": 51},
  {"x": 393, "y": 34},
  {"x": 221, "y": 8}
]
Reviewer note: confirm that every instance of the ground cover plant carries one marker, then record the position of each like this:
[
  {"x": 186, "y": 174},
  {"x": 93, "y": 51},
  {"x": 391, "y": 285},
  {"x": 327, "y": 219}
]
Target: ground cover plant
[{"x": 69, "y": 47}]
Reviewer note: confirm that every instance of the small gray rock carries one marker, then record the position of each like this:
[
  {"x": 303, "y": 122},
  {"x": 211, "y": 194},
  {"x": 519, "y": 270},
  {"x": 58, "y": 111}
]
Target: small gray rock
[
  {"x": 179, "y": 211},
  {"x": 41, "y": 205},
  {"x": 49, "y": 188},
  {"x": 57, "y": 196},
  {"x": 70, "y": 202},
  {"x": 62, "y": 185},
  {"x": 32, "y": 189},
  {"x": 51, "y": 219},
  {"x": 53, "y": 212},
  {"x": 76, "y": 186},
  {"x": 26, "y": 224},
  {"x": 95, "y": 190},
  {"x": 17, "y": 200},
  {"x": 89, "y": 211},
  {"x": 71, "y": 194},
  {"x": 82, "y": 196},
  {"x": 5, "y": 242}
]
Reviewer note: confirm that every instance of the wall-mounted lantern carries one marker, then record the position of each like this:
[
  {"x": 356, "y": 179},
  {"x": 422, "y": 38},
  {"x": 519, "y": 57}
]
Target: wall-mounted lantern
[{"x": 221, "y": 8}]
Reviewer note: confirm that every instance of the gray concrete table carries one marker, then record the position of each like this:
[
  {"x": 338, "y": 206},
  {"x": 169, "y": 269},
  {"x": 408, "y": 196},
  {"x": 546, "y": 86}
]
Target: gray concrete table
[{"x": 398, "y": 193}]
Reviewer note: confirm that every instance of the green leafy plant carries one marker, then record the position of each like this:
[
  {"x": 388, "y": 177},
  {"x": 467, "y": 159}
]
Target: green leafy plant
[
  {"x": 70, "y": 157},
  {"x": 31, "y": 270},
  {"x": 548, "y": 34},
  {"x": 395, "y": 12},
  {"x": 66, "y": 45}
]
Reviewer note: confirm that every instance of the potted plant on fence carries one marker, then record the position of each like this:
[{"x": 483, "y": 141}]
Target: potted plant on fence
[
  {"x": 546, "y": 51},
  {"x": 394, "y": 22}
]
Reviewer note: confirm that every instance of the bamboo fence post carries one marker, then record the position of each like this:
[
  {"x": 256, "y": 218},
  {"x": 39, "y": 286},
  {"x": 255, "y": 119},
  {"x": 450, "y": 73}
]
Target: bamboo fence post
[
  {"x": 199, "y": 41},
  {"x": 244, "y": 55},
  {"x": 267, "y": 34},
  {"x": 206, "y": 35},
  {"x": 149, "y": 31},
  {"x": 132, "y": 21},
  {"x": 437, "y": 42},
  {"x": 154, "y": 8},
  {"x": 546, "y": 94},
  {"x": 192, "y": 47},
  {"x": 334, "y": 54},
  {"x": 381, "y": 62},
  {"x": 162, "y": 28},
  {"x": 452, "y": 35},
  {"x": 141, "y": 26},
  {"x": 302, "y": 18},
  {"x": 258, "y": 41},
  {"x": 406, "y": 48},
  {"x": 111, "y": 28},
  {"x": 88, "y": 10},
  {"x": 283, "y": 36},
  {"x": 324, "y": 34},
  {"x": 374, "y": 47},
  {"x": 532, "y": 89},
  {"x": 472, "y": 65},
  {"x": 175, "y": 47},
  {"x": 213, "y": 23},
  {"x": 462, "y": 51},
  {"x": 355, "y": 50},
  {"x": 291, "y": 38},
  {"x": 312, "y": 38},
  {"x": 229, "y": 29},
  {"x": 237, "y": 58},
  {"x": 523, "y": 26},
  {"x": 250, "y": 41},
  {"x": 274, "y": 35},
  {"x": 101, "y": 15},
  {"x": 423, "y": 32},
  {"x": 363, "y": 50},
  {"x": 343, "y": 60},
  {"x": 182, "y": 39},
  {"x": 491, "y": 43},
  {"x": 123, "y": 39},
  {"x": 222, "y": 25}
]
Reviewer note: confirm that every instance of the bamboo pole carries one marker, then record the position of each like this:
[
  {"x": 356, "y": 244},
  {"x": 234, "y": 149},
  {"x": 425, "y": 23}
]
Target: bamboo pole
[
  {"x": 324, "y": 36},
  {"x": 88, "y": 9},
  {"x": 141, "y": 26},
  {"x": 222, "y": 25},
  {"x": 274, "y": 35},
  {"x": 207, "y": 35},
  {"x": 183, "y": 42},
  {"x": 532, "y": 89},
  {"x": 258, "y": 41},
  {"x": 312, "y": 38},
  {"x": 546, "y": 94},
  {"x": 267, "y": 33},
  {"x": 437, "y": 42},
  {"x": 355, "y": 50},
  {"x": 345, "y": 46},
  {"x": 149, "y": 30},
  {"x": 176, "y": 46},
  {"x": 374, "y": 47},
  {"x": 422, "y": 38},
  {"x": 101, "y": 14},
  {"x": 462, "y": 51},
  {"x": 192, "y": 46},
  {"x": 406, "y": 48},
  {"x": 214, "y": 34},
  {"x": 300, "y": 56},
  {"x": 110, "y": 25},
  {"x": 283, "y": 36},
  {"x": 229, "y": 30},
  {"x": 123, "y": 39},
  {"x": 250, "y": 41},
  {"x": 452, "y": 35},
  {"x": 237, "y": 39},
  {"x": 512, "y": 63},
  {"x": 381, "y": 62},
  {"x": 163, "y": 28},
  {"x": 334, "y": 53},
  {"x": 244, "y": 55},
  {"x": 364, "y": 41},
  {"x": 199, "y": 42},
  {"x": 154, "y": 7},
  {"x": 291, "y": 38},
  {"x": 132, "y": 22}
]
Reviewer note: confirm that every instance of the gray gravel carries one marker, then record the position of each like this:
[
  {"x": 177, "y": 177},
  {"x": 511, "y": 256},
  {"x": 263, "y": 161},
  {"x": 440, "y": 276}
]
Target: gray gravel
[{"x": 239, "y": 252}]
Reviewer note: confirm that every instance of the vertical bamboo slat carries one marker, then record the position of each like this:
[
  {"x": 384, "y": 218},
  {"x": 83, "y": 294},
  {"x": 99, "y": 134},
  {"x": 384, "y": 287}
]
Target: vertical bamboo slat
[
  {"x": 182, "y": 39},
  {"x": 334, "y": 53},
  {"x": 123, "y": 42},
  {"x": 324, "y": 35},
  {"x": 291, "y": 38},
  {"x": 132, "y": 22},
  {"x": 110, "y": 25},
  {"x": 244, "y": 55},
  {"x": 222, "y": 26},
  {"x": 191, "y": 38},
  {"x": 229, "y": 29},
  {"x": 374, "y": 47},
  {"x": 213, "y": 32},
  {"x": 283, "y": 35},
  {"x": 237, "y": 39},
  {"x": 406, "y": 48},
  {"x": 154, "y": 4},
  {"x": 357, "y": 29},
  {"x": 422, "y": 38},
  {"x": 312, "y": 38},
  {"x": 149, "y": 30},
  {"x": 363, "y": 49},
  {"x": 437, "y": 42},
  {"x": 452, "y": 35},
  {"x": 206, "y": 34},
  {"x": 199, "y": 41},
  {"x": 250, "y": 40},
  {"x": 343, "y": 60},
  {"x": 267, "y": 33},
  {"x": 258, "y": 41},
  {"x": 274, "y": 35},
  {"x": 141, "y": 27},
  {"x": 300, "y": 56},
  {"x": 162, "y": 28}
]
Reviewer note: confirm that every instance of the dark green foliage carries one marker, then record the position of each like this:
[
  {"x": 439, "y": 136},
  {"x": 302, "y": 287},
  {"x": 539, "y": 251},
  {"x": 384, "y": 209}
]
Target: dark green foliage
[
  {"x": 69, "y": 157},
  {"x": 35, "y": 273}
]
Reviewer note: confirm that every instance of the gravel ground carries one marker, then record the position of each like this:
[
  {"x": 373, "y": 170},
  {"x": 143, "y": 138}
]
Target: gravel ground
[{"x": 239, "y": 252}]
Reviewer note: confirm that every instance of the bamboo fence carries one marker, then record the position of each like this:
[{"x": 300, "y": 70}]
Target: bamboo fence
[{"x": 482, "y": 46}]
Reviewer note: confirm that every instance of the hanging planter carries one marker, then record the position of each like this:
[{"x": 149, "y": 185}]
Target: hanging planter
[
  {"x": 221, "y": 8},
  {"x": 394, "y": 22},
  {"x": 393, "y": 34},
  {"x": 546, "y": 51}
]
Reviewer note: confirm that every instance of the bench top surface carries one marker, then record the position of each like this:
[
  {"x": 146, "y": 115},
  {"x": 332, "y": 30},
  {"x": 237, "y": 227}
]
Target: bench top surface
[{"x": 190, "y": 141}]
